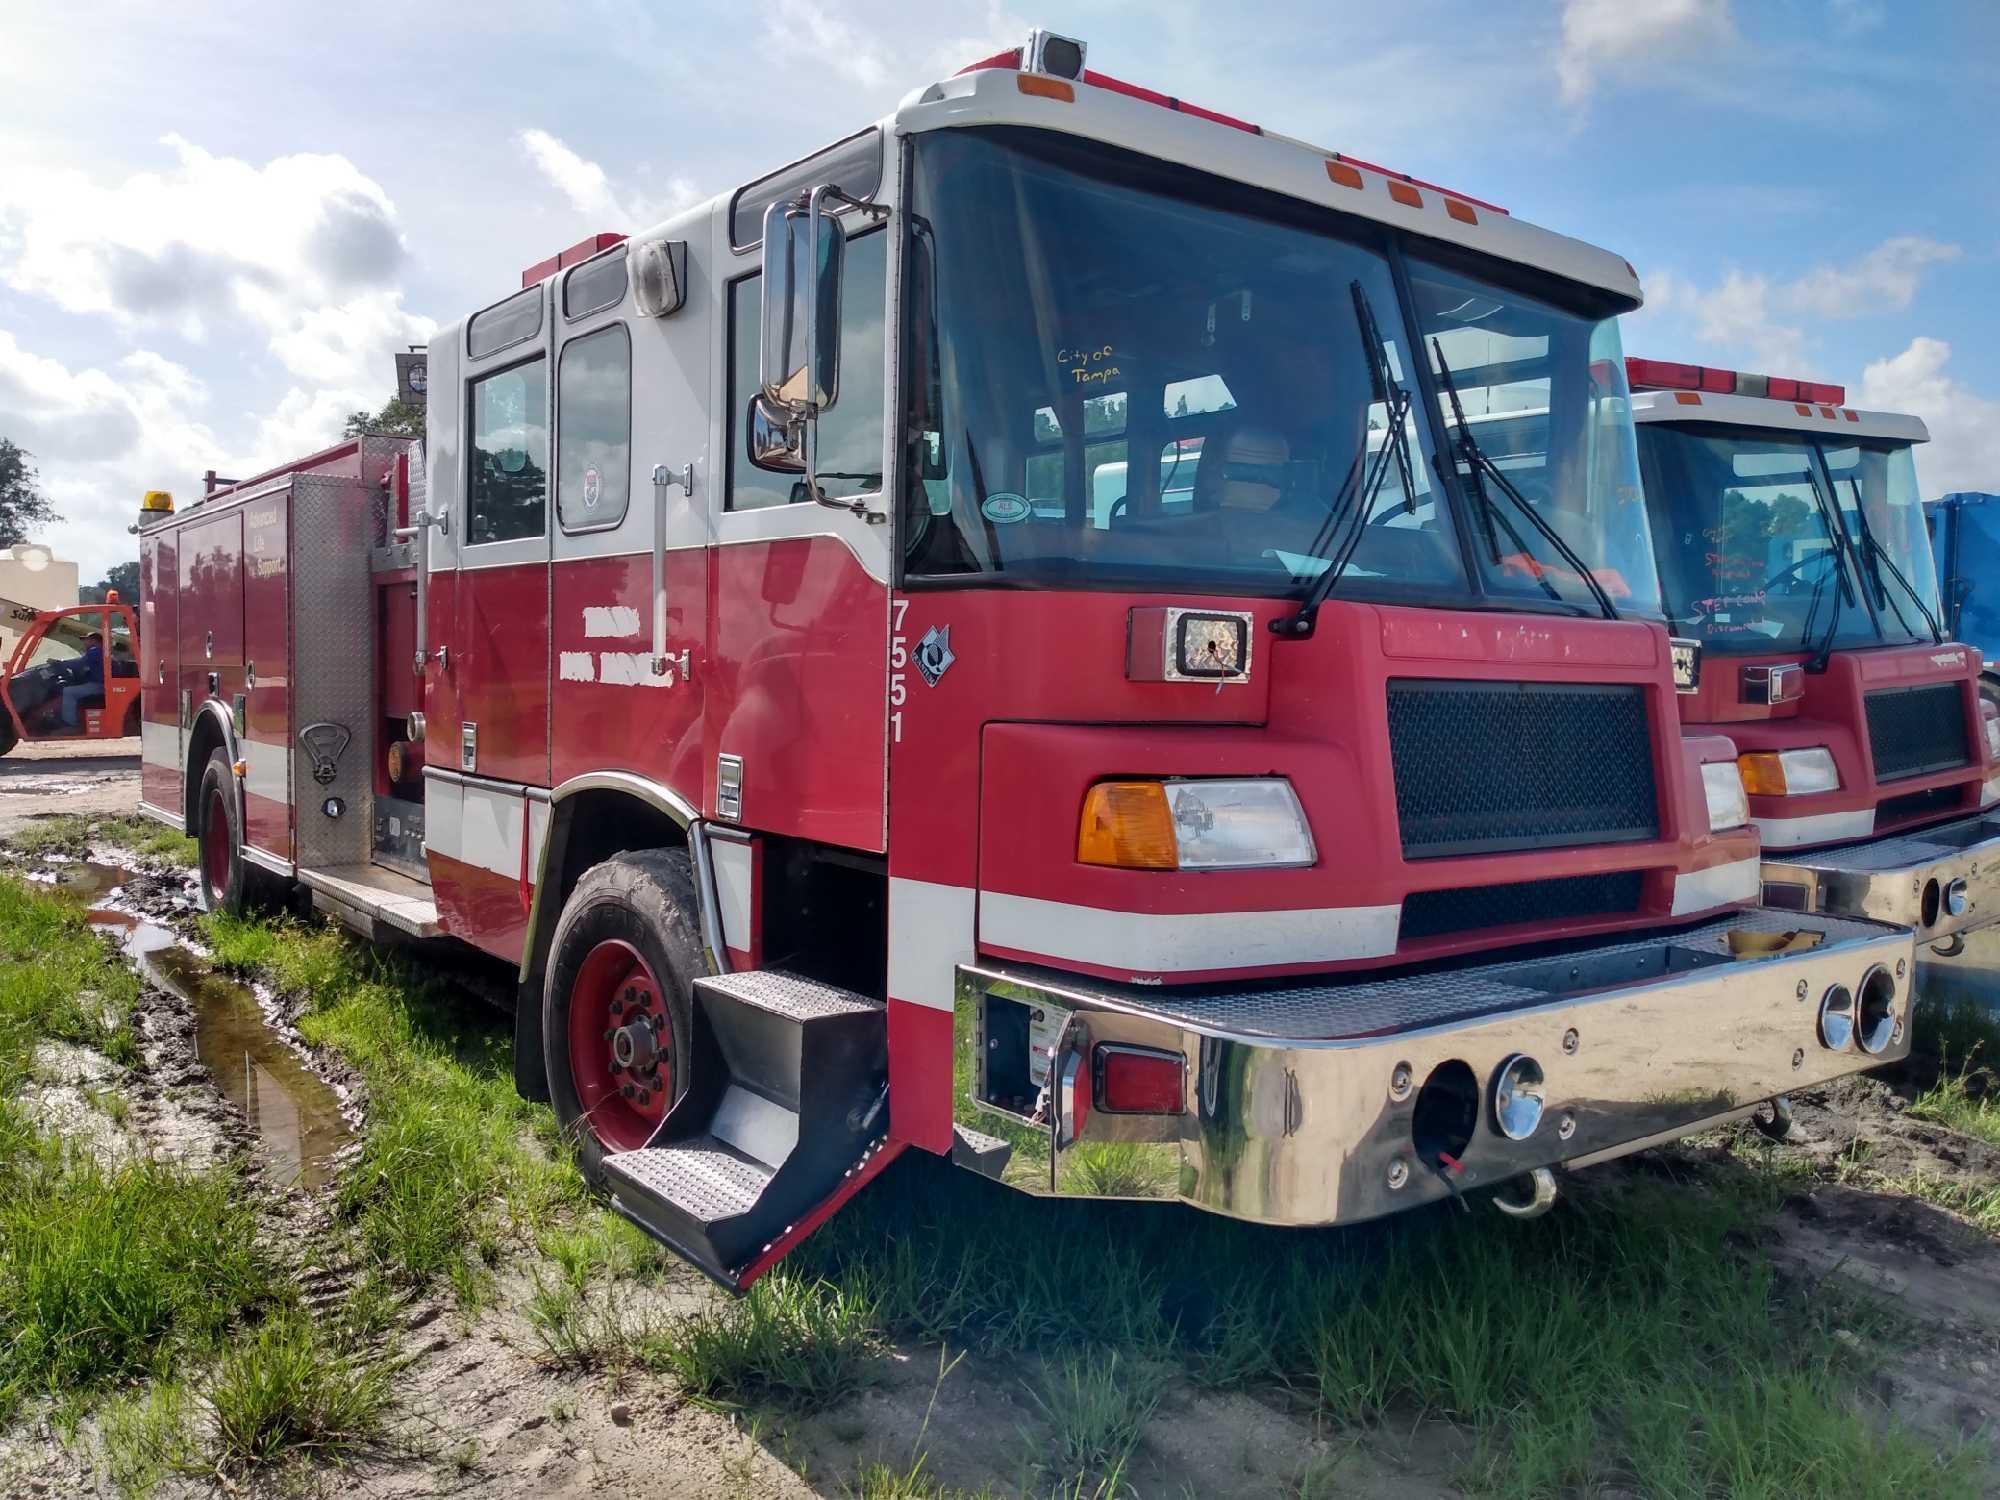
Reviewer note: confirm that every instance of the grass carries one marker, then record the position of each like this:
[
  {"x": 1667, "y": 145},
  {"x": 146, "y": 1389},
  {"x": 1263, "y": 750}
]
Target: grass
[
  {"x": 73, "y": 835},
  {"x": 1096, "y": 1408},
  {"x": 791, "y": 1342},
  {"x": 1632, "y": 1338},
  {"x": 109, "y": 1274},
  {"x": 1965, "y": 1098},
  {"x": 454, "y": 1164},
  {"x": 287, "y": 1390},
  {"x": 148, "y": 1436}
]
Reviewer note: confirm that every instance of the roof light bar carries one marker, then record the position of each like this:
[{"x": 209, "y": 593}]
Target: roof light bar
[
  {"x": 1044, "y": 54},
  {"x": 1666, "y": 375},
  {"x": 581, "y": 250}
]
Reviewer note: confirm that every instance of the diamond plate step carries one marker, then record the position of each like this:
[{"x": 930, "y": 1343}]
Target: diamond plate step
[
  {"x": 704, "y": 1179},
  {"x": 787, "y": 1091}
]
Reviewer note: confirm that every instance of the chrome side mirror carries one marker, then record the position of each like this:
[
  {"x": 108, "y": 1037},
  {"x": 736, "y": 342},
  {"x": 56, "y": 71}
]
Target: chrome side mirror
[
  {"x": 776, "y": 440},
  {"x": 799, "y": 357}
]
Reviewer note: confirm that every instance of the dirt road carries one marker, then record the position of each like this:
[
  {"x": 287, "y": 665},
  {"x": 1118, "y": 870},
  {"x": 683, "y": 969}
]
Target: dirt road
[
  {"x": 67, "y": 776},
  {"x": 951, "y": 1350}
]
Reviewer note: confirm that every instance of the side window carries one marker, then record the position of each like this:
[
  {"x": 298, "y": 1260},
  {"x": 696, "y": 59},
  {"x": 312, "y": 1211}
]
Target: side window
[
  {"x": 594, "y": 430},
  {"x": 507, "y": 492},
  {"x": 849, "y": 456}
]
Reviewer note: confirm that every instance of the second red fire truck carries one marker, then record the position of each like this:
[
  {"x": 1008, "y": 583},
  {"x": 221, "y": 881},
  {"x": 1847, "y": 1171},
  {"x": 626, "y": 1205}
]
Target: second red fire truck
[
  {"x": 1793, "y": 548},
  {"x": 756, "y": 655}
]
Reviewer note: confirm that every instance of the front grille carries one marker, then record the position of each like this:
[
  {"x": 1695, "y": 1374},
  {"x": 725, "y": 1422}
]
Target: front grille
[
  {"x": 1936, "y": 801},
  {"x": 1429, "y": 914},
  {"x": 1912, "y": 731},
  {"x": 1483, "y": 767}
]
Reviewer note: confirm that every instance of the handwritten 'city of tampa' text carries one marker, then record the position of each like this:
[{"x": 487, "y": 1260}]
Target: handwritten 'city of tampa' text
[{"x": 1088, "y": 366}]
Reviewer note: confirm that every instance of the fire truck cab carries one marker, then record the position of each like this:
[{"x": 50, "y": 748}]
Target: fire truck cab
[
  {"x": 759, "y": 660},
  {"x": 1794, "y": 552}
]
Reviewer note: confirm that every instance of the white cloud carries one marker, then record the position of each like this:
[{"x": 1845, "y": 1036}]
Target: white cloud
[
  {"x": 1964, "y": 450},
  {"x": 1767, "y": 322},
  {"x": 1886, "y": 278},
  {"x": 101, "y": 437},
  {"x": 1626, "y": 36},
  {"x": 299, "y": 257},
  {"x": 883, "y": 48},
  {"x": 588, "y": 187}
]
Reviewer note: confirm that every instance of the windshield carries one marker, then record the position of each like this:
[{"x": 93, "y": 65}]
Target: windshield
[
  {"x": 1749, "y": 558},
  {"x": 1112, "y": 383},
  {"x": 1876, "y": 487},
  {"x": 1544, "y": 397}
]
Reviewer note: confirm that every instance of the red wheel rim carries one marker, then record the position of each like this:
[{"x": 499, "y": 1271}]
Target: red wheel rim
[
  {"x": 621, "y": 1046},
  {"x": 215, "y": 845}
]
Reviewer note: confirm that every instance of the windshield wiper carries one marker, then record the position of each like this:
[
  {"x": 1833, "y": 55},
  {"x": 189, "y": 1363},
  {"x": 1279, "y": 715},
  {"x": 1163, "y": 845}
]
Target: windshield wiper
[
  {"x": 1476, "y": 461},
  {"x": 1879, "y": 558},
  {"x": 1352, "y": 518}
]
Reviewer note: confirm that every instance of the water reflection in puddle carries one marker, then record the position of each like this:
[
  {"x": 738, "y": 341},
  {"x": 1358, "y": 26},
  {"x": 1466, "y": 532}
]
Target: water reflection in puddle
[{"x": 295, "y": 1114}]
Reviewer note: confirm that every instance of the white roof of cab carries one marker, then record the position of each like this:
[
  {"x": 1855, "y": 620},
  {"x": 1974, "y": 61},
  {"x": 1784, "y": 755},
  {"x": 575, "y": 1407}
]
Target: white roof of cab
[
  {"x": 992, "y": 96},
  {"x": 1789, "y": 416}
]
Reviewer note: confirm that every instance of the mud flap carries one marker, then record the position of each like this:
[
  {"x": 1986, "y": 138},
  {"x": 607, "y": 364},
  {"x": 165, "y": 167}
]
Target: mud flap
[
  {"x": 531, "y": 1069},
  {"x": 785, "y": 1118}
]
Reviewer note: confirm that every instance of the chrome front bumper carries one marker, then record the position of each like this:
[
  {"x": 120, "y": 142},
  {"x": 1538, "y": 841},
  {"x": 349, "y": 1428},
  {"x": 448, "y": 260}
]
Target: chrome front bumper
[
  {"x": 1936, "y": 881},
  {"x": 1322, "y": 1102}
]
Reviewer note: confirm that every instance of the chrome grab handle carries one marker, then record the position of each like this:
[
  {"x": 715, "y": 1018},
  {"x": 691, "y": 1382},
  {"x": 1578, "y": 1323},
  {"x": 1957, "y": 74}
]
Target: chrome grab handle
[
  {"x": 422, "y": 521},
  {"x": 665, "y": 479}
]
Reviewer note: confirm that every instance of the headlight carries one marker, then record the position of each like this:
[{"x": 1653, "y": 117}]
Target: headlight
[
  {"x": 1194, "y": 825},
  {"x": 1789, "y": 773},
  {"x": 1727, "y": 806},
  {"x": 1989, "y": 715}
]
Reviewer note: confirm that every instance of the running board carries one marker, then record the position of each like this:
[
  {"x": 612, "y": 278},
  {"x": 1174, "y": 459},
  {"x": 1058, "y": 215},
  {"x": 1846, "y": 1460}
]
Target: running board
[{"x": 788, "y": 1103}]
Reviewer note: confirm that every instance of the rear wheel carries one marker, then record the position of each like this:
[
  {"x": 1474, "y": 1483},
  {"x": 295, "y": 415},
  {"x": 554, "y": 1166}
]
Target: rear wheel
[
  {"x": 616, "y": 1007},
  {"x": 221, "y": 873}
]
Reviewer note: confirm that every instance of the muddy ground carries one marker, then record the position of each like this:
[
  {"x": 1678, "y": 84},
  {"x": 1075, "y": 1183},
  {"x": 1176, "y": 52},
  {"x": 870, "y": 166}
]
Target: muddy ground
[
  {"x": 482, "y": 1408},
  {"x": 67, "y": 776}
]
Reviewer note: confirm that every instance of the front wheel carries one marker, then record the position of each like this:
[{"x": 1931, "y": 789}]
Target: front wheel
[
  {"x": 222, "y": 875},
  {"x": 617, "y": 1011}
]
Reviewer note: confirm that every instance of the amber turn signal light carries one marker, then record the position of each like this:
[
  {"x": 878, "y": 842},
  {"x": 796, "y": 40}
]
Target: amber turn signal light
[
  {"x": 1763, "y": 774},
  {"x": 1128, "y": 824}
]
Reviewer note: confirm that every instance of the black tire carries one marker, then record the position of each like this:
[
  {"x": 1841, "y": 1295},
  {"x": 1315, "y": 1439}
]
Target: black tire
[
  {"x": 222, "y": 875},
  {"x": 8, "y": 738},
  {"x": 645, "y": 901}
]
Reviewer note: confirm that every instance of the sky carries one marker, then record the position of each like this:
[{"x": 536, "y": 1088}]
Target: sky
[{"x": 219, "y": 223}]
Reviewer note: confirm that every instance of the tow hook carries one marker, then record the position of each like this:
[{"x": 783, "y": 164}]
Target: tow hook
[
  {"x": 1779, "y": 1126},
  {"x": 1541, "y": 1197}
]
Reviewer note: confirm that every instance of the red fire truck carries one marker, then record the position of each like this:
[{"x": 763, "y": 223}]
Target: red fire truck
[
  {"x": 1793, "y": 548},
  {"x": 758, "y": 660}
]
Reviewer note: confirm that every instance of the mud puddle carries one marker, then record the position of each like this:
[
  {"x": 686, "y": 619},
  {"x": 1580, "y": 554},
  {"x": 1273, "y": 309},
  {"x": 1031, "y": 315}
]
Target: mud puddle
[{"x": 295, "y": 1114}]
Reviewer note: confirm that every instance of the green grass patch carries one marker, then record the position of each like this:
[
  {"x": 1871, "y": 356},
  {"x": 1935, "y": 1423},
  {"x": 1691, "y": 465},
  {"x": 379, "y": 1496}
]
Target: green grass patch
[
  {"x": 108, "y": 1274},
  {"x": 1096, "y": 1405},
  {"x": 1577, "y": 1347},
  {"x": 791, "y": 1343},
  {"x": 148, "y": 1436},
  {"x": 454, "y": 1162},
  {"x": 57, "y": 981},
  {"x": 286, "y": 1390},
  {"x": 73, "y": 835}
]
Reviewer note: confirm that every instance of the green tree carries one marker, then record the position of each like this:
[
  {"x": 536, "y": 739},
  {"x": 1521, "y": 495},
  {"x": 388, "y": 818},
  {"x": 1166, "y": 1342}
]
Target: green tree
[
  {"x": 397, "y": 419},
  {"x": 124, "y": 578},
  {"x": 24, "y": 509}
]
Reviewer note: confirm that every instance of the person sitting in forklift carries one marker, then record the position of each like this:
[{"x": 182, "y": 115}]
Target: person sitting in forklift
[{"x": 87, "y": 679}]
